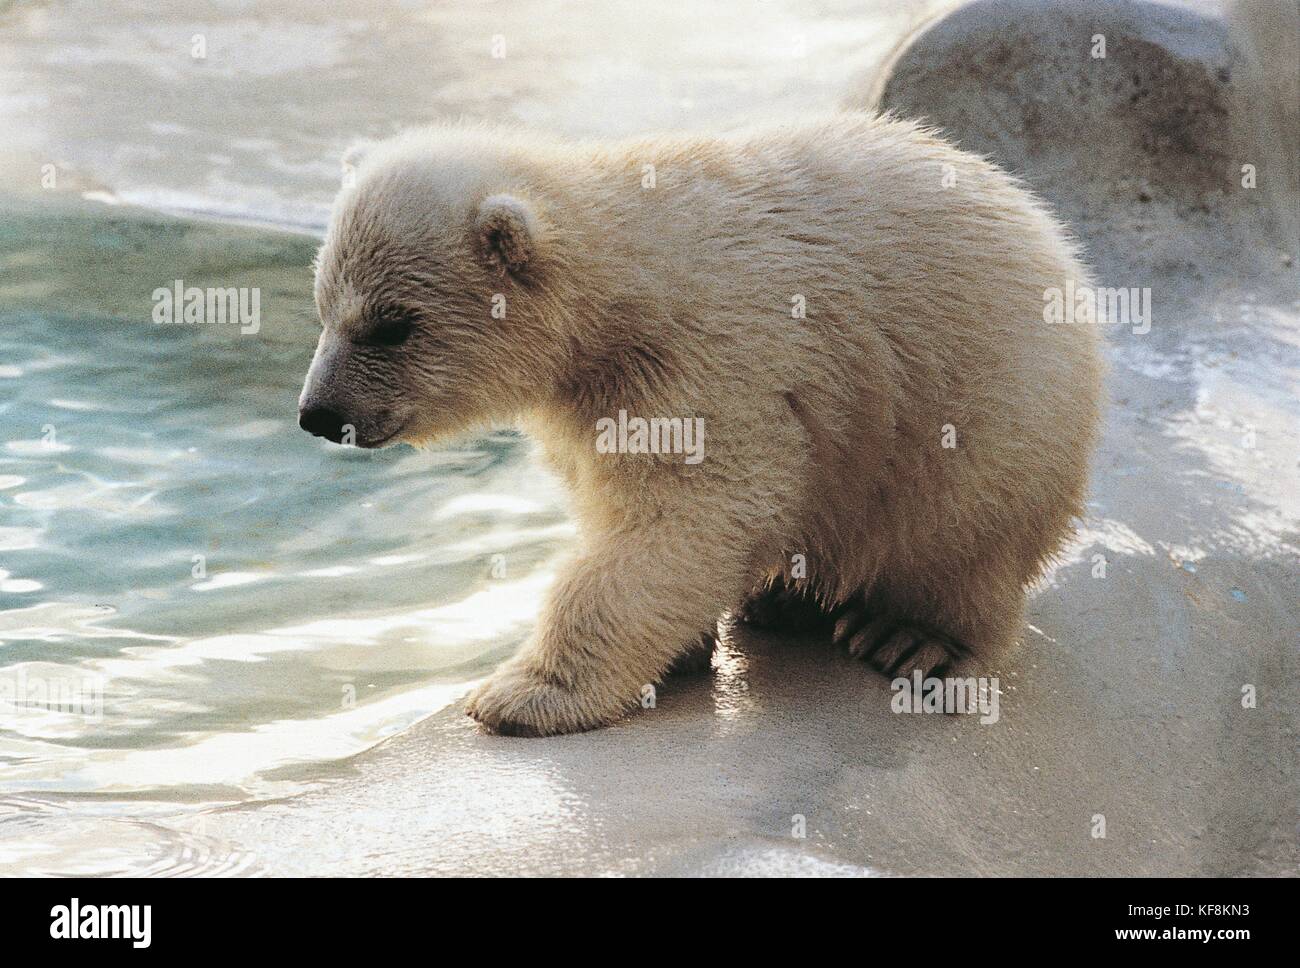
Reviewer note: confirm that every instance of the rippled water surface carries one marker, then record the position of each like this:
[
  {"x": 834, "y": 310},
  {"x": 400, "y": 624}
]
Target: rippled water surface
[{"x": 198, "y": 601}]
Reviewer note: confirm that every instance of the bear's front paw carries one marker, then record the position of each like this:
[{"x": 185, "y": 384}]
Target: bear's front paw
[{"x": 520, "y": 702}]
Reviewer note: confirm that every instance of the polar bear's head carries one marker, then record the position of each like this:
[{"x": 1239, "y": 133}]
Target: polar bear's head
[{"x": 430, "y": 287}]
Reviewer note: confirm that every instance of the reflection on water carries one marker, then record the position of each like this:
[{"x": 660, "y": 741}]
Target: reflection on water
[{"x": 197, "y": 600}]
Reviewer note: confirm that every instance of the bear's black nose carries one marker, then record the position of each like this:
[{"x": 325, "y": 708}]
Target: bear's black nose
[{"x": 323, "y": 422}]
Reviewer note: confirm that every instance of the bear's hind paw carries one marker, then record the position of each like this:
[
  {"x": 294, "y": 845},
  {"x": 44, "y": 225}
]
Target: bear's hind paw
[{"x": 898, "y": 648}]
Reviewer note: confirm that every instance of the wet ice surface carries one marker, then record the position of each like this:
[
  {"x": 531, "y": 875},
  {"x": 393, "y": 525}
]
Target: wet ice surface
[{"x": 294, "y": 710}]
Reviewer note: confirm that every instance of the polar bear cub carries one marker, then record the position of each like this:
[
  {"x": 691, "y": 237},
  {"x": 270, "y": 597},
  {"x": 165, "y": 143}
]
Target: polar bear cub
[{"x": 798, "y": 368}]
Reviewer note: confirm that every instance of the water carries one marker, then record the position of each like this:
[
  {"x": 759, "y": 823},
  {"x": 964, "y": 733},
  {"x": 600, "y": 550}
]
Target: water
[{"x": 198, "y": 601}]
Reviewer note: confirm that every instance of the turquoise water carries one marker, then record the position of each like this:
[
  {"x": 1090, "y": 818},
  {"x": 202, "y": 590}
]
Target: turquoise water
[{"x": 200, "y": 603}]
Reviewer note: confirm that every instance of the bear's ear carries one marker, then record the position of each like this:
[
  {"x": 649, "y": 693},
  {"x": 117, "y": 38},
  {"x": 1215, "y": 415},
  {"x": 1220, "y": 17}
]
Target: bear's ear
[
  {"x": 507, "y": 233},
  {"x": 355, "y": 156}
]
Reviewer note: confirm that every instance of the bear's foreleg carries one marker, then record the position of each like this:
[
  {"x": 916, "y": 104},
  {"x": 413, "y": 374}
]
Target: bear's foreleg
[{"x": 615, "y": 624}]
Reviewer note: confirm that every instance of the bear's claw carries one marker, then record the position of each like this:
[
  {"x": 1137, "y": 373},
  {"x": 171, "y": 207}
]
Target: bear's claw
[{"x": 894, "y": 646}]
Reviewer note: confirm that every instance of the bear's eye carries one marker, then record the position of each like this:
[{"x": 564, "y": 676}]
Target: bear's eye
[{"x": 393, "y": 328}]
